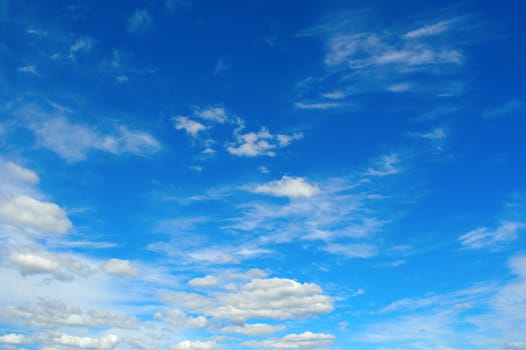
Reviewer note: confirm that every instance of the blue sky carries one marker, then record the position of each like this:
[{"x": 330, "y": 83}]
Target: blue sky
[{"x": 187, "y": 174}]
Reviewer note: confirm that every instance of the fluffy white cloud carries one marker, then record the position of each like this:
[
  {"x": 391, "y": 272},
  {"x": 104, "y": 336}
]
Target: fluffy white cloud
[
  {"x": 287, "y": 186},
  {"x": 207, "y": 281},
  {"x": 106, "y": 342},
  {"x": 139, "y": 22},
  {"x": 13, "y": 339},
  {"x": 307, "y": 340},
  {"x": 215, "y": 114},
  {"x": 22, "y": 174},
  {"x": 253, "y": 329},
  {"x": 61, "y": 267},
  {"x": 189, "y": 126},
  {"x": 180, "y": 319},
  {"x": 53, "y": 313},
  {"x": 261, "y": 143},
  {"x": 118, "y": 267},
  {"x": 74, "y": 141},
  {"x": 27, "y": 212},
  {"x": 195, "y": 345},
  {"x": 483, "y": 237}
]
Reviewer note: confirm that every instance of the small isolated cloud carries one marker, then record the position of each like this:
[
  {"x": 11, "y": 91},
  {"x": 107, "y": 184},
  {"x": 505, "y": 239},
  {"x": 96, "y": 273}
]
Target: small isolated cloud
[
  {"x": 436, "y": 137},
  {"x": 428, "y": 30},
  {"x": 195, "y": 345},
  {"x": 118, "y": 267},
  {"x": 400, "y": 87},
  {"x": 261, "y": 143},
  {"x": 213, "y": 114},
  {"x": 139, "y": 22},
  {"x": 334, "y": 95},
  {"x": 74, "y": 141},
  {"x": 287, "y": 186},
  {"x": 29, "y": 213},
  {"x": 29, "y": 69},
  {"x": 317, "y": 106},
  {"x": 253, "y": 329},
  {"x": 83, "y": 44},
  {"x": 386, "y": 166},
  {"x": 190, "y": 126},
  {"x": 512, "y": 106},
  {"x": 306, "y": 340},
  {"x": 483, "y": 237},
  {"x": 207, "y": 281},
  {"x": 221, "y": 66},
  {"x": 352, "y": 251}
]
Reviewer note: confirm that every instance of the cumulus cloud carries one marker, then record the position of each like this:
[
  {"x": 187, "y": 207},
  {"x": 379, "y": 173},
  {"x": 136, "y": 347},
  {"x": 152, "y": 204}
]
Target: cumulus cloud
[
  {"x": 20, "y": 173},
  {"x": 214, "y": 114},
  {"x": 189, "y": 126},
  {"x": 50, "y": 313},
  {"x": 253, "y": 329},
  {"x": 306, "y": 340},
  {"x": 29, "y": 213},
  {"x": 118, "y": 267},
  {"x": 195, "y": 345},
  {"x": 106, "y": 342},
  {"x": 13, "y": 339},
  {"x": 261, "y": 143},
  {"x": 274, "y": 298},
  {"x": 140, "y": 21},
  {"x": 483, "y": 237},
  {"x": 287, "y": 186},
  {"x": 207, "y": 281},
  {"x": 74, "y": 141},
  {"x": 180, "y": 319},
  {"x": 61, "y": 267}
]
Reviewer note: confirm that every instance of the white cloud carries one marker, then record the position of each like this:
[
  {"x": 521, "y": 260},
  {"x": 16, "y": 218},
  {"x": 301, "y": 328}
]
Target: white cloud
[
  {"x": 386, "y": 166},
  {"x": 262, "y": 143},
  {"x": 354, "y": 250},
  {"x": 180, "y": 319},
  {"x": 428, "y": 30},
  {"x": 106, "y": 342},
  {"x": 13, "y": 339},
  {"x": 214, "y": 114},
  {"x": 319, "y": 105},
  {"x": 118, "y": 267},
  {"x": 483, "y": 237},
  {"x": 83, "y": 44},
  {"x": 61, "y": 267},
  {"x": 291, "y": 187},
  {"x": 400, "y": 87},
  {"x": 207, "y": 281},
  {"x": 189, "y": 126},
  {"x": 27, "y": 212},
  {"x": 139, "y": 22},
  {"x": 195, "y": 345},
  {"x": 334, "y": 95},
  {"x": 31, "y": 263},
  {"x": 74, "y": 141},
  {"x": 221, "y": 66},
  {"x": 53, "y": 313},
  {"x": 433, "y": 135},
  {"x": 29, "y": 69},
  {"x": 306, "y": 340},
  {"x": 20, "y": 173},
  {"x": 253, "y": 329}
]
